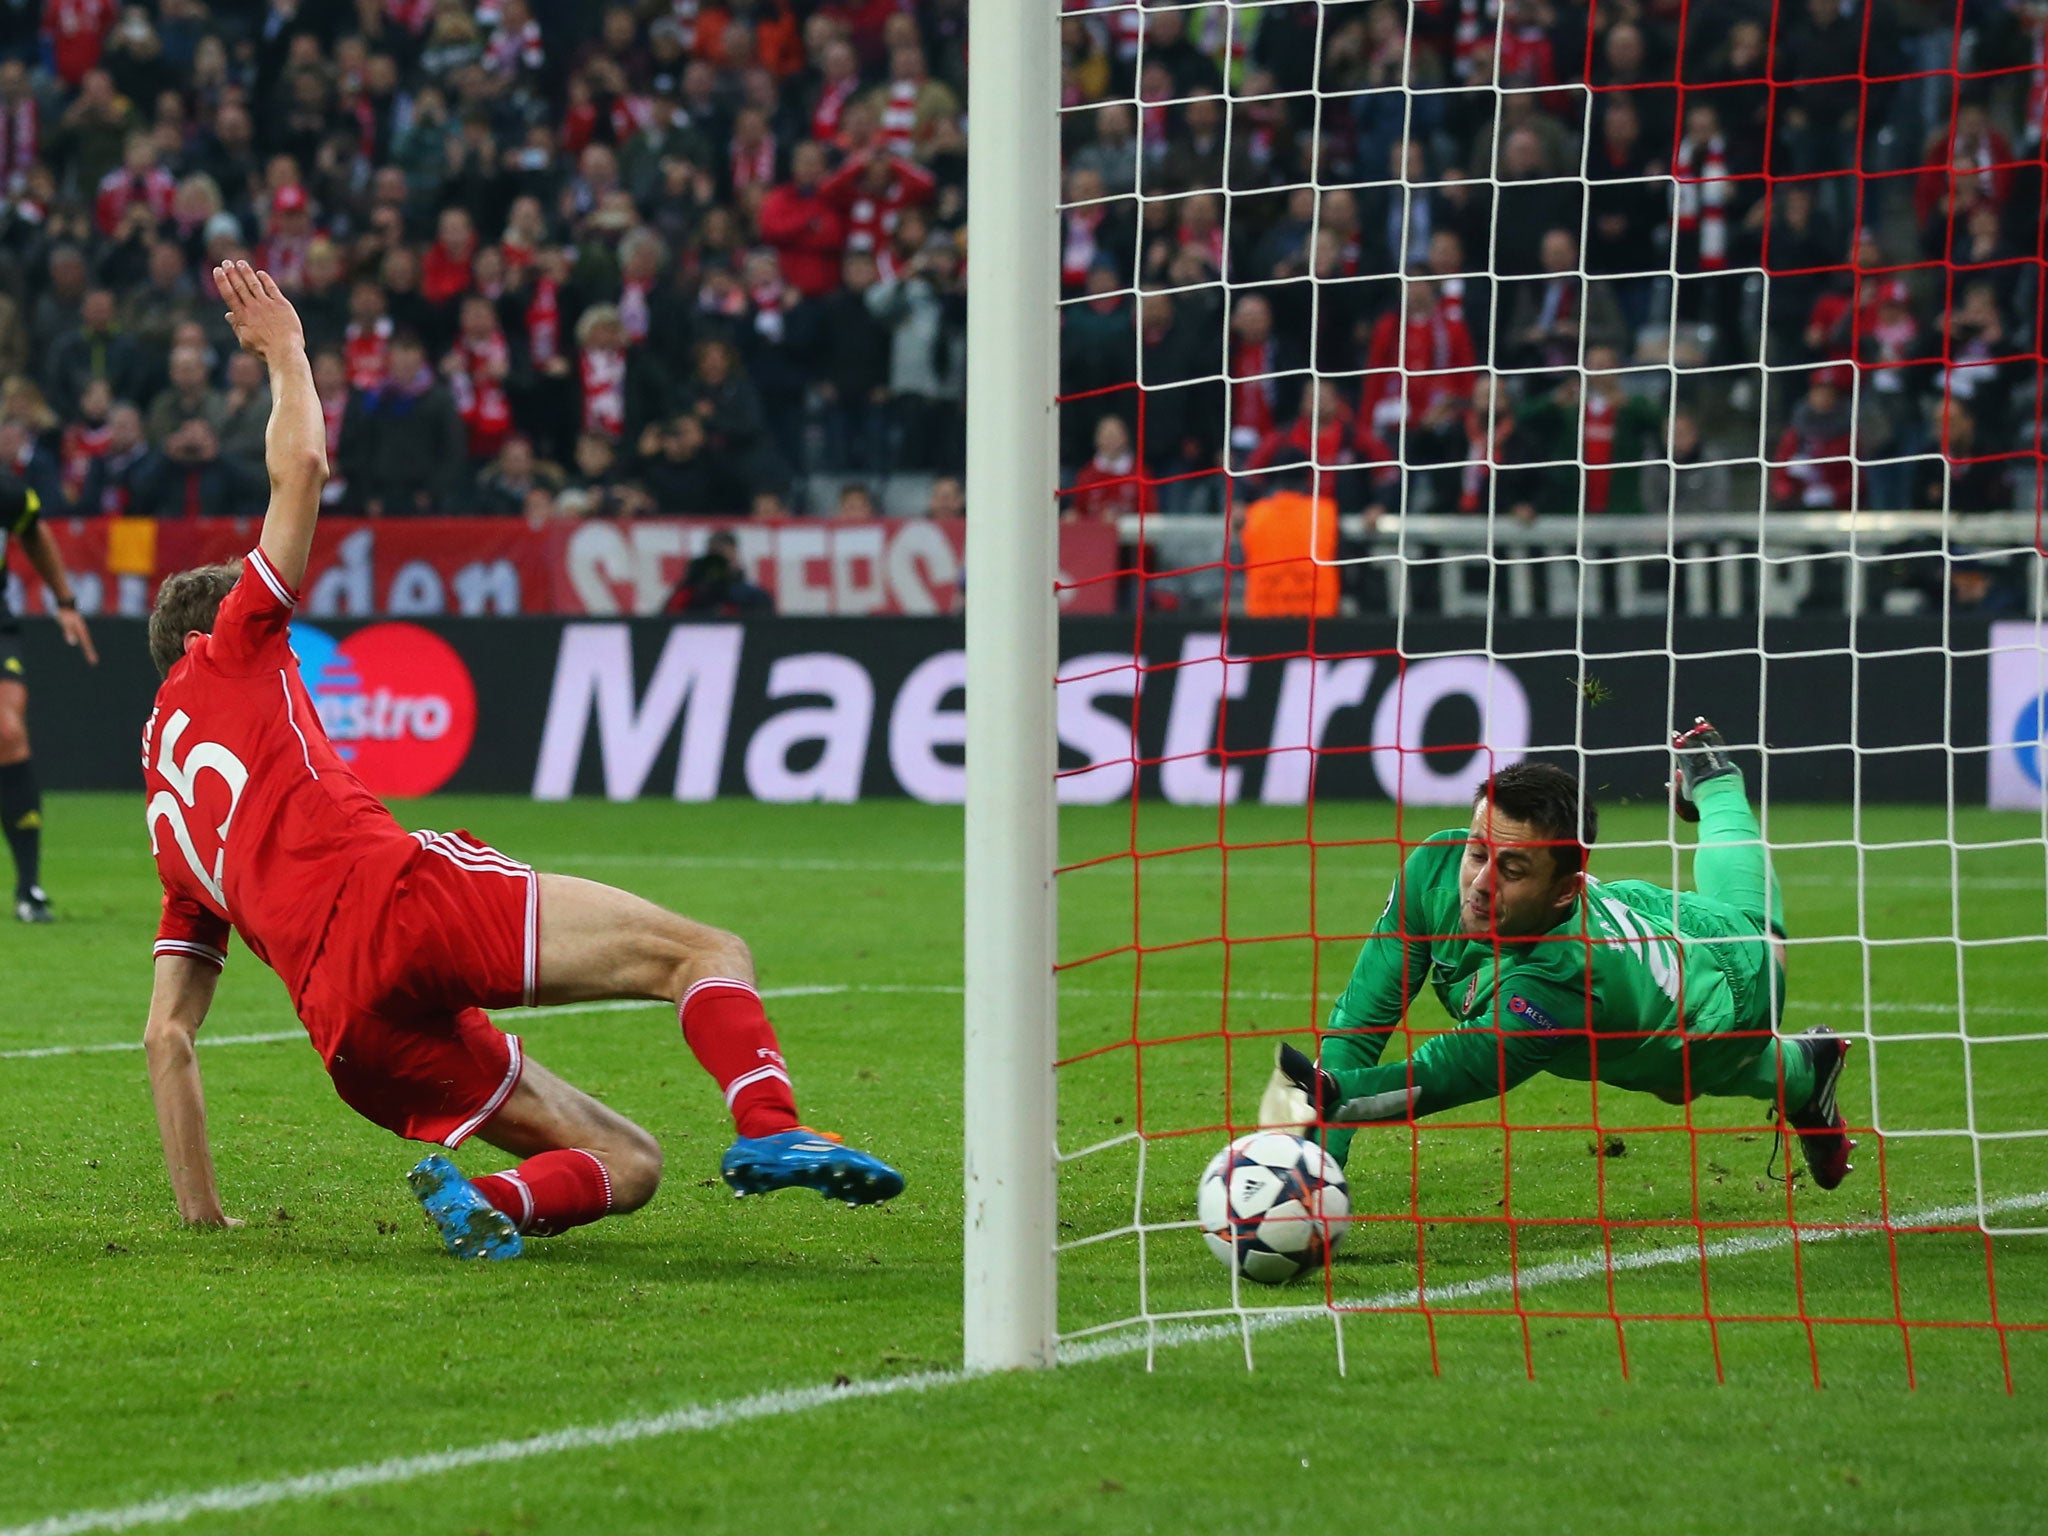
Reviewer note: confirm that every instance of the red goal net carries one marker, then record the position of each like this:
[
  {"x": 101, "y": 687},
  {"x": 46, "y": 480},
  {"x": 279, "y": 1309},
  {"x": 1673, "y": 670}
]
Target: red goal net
[{"x": 1478, "y": 382}]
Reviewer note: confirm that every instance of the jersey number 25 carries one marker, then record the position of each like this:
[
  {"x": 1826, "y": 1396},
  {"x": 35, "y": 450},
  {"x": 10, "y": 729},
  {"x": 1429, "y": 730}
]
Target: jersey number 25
[{"x": 184, "y": 778}]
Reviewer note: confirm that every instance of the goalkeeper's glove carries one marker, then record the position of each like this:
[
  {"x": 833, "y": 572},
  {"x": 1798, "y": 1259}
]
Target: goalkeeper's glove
[
  {"x": 1318, "y": 1088},
  {"x": 1284, "y": 1107},
  {"x": 1315, "y": 1094}
]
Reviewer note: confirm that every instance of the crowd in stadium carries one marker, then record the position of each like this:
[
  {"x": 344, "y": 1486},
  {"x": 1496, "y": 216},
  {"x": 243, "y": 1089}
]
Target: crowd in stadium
[
  {"x": 1582, "y": 242},
  {"x": 690, "y": 256}
]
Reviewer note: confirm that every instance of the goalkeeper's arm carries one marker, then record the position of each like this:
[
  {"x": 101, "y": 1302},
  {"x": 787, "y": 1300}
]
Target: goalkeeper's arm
[
  {"x": 1481, "y": 1060},
  {"x": 1391, "y": 965},
  {"x": 1389, "y": 971}
]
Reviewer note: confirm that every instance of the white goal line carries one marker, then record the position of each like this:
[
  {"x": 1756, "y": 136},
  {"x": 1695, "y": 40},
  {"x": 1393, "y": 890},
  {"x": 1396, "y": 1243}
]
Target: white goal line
[{"x": 1142, "y": 1336}]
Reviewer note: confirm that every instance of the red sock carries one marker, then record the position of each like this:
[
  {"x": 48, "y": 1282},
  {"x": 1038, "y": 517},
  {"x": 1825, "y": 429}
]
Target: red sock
[
  {"x": 728, "y": 1029},
  {"x": 552, "y": 1192}
]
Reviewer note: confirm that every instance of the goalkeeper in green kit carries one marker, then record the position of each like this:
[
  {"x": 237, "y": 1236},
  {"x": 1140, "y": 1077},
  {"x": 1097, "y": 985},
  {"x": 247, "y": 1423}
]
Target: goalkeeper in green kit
[{"x": 1548, "y": 969}]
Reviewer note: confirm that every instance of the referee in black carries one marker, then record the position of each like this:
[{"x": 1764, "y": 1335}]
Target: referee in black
[{"x": 21, "y": 798}]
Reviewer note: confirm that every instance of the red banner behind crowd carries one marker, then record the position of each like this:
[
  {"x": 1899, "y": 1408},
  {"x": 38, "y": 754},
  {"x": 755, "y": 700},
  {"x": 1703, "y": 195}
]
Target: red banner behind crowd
[{"x": 486, "y": 565}]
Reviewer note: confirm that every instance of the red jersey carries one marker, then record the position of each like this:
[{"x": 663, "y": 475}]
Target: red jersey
[
  {"x": 1107, "y": 489},
  {"x": 77, "y": 30},
  {"x": 121, "y": 190},
  {"x": 1412, "y": 365},
  {"x": 872, "y": 218},
  {"x": 283, "y": 256},
  {"x": 363, "y": 352},
  {"x": 254, "y": 819}
]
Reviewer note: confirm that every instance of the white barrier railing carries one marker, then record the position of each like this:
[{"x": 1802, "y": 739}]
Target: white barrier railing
[{"x": 1714, "y": 565}]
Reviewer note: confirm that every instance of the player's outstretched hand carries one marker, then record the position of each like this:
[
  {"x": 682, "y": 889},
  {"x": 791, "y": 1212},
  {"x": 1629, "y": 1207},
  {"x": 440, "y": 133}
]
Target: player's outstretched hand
[{"x": 263, "y": 318}]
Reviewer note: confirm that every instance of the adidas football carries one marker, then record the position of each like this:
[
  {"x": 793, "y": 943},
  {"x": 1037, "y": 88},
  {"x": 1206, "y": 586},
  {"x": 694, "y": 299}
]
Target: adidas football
[{"x": 1272, "y": 1205}]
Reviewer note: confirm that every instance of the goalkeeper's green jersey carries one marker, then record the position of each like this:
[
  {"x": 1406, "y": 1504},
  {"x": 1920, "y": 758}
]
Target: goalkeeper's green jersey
[{"x": 1627, "y": 988}]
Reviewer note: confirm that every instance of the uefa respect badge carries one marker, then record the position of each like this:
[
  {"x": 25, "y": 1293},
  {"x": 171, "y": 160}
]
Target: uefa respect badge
[{"x": 395, "y": 699}]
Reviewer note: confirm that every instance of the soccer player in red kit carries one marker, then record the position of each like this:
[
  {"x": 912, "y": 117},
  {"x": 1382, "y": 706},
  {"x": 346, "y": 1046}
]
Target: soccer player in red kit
[{"x": 391, "y": 943}]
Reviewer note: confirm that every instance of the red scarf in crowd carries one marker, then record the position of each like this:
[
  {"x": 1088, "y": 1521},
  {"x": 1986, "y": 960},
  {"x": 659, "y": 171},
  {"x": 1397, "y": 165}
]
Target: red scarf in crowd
[
  {"x": 20, "y": 135},
  {"x": 364, "y": 112},
  {"x": 78, "y": 447},
  {"x": 831, "y": 107},
  {"x": 1475, "y": 26},
  {"x": 364, "y": 350},
  {"x": 768, "y": 299},
  {"x": 1155, "y": 129},
  {"x": 899, "y": 116},
  {"x": 544, "y": 322},
  {"x": 1251, "y": 393},
  {"x": 508, "y": 53},
  {"x": 1703, "y": 193},
  {"x": 604, "y": 392},
  {"x": 1126, "y": 27},
  {"x": 284, "y": 258},
  {"x": 1450, "y": 298},
  {"x": 479, "y": 385},
  {"x": 753, "y": 167},
  {"x": 332, "y": 413},
  {"x": 1078, "y": 249},
  {"x": 2037, "y": 82},
  {"x": 627, "y": 115},
  {"x": 633, "y": 309},
  {"x": 1973, "y": 177},
  {"x": 1482, "y": 457},
  {"x": 1598, "y": 440}
]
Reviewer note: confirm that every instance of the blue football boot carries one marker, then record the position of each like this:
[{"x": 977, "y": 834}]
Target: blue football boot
[
  {"x": 470, "y": 1226},
  {"x": 755, "y": 1165}
]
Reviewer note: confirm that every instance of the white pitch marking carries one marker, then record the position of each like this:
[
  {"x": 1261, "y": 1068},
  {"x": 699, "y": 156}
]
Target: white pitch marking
[
  {"x": 136, "y": 1045},
  {"x": 1199, "y": 863},
  {"x": 1133, "y": 1340},
  {"x": 614, "y": 1006},
  {"x": 794, "y": 866},
  {"x": 943, "y": 989},
  {"x": 402, "y": 1469}
]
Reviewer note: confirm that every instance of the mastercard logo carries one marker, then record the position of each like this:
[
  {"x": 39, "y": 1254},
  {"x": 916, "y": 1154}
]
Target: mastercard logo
[{"x": 395, "y": 699}]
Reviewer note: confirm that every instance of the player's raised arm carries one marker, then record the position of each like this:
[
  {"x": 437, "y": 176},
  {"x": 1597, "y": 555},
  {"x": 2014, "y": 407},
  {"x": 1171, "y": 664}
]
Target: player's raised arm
[
  {"x": 177, "y": 1007},
  {"x": 295, "y": 447}
]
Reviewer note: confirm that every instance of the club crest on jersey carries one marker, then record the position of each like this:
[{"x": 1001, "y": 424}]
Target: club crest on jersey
[{"x": 1523, "y": 1009}]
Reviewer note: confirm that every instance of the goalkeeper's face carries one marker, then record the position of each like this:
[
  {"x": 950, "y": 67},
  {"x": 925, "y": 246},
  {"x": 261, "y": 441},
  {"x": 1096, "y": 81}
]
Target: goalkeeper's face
[{"x": 1509, "y": 881}]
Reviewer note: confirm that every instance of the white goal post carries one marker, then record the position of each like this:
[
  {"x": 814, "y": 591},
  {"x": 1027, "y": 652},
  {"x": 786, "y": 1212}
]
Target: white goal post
[{"x": 1012, "y": 522}]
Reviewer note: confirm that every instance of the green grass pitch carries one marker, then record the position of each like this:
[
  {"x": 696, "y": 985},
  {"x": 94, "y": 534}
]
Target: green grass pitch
[{"x": 139, "y": 1361}]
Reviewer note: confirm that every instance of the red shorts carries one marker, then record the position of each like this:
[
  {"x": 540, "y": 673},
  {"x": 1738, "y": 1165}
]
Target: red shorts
[{"x": 429, "y": 931}]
